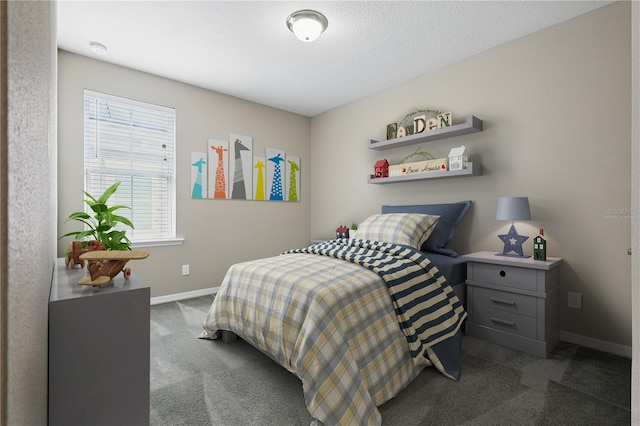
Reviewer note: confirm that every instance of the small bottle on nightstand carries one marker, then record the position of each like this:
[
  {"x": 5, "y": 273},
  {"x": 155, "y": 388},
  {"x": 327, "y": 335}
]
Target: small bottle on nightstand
[{"x": 540, "y": 246}]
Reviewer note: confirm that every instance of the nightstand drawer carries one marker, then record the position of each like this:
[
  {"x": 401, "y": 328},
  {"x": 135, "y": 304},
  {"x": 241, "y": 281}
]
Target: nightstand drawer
[
  {"x": 504, "y": 301},
  {"x": 520, "y": 325},
  {"x": 508, "y": 276}
]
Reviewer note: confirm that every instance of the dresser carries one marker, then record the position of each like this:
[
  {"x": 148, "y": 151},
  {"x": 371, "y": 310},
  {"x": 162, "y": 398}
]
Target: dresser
[
  {"x": 513, "y": 301},
  {"x": 98, "y": 350}
]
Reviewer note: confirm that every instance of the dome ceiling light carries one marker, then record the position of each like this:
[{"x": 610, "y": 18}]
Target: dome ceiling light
[{"x": 307, "y": 24}]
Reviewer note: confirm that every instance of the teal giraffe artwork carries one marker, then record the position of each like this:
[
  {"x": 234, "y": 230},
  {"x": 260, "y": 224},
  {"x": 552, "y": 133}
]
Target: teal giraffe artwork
[
  {"x": 293, "y": 170},
  {"x": 198, "y": 168}
]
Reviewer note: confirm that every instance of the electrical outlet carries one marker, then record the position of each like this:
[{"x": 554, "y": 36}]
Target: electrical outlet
[
  {"x": 575, "y": 300},
  {"x": 185, "y": 269}
]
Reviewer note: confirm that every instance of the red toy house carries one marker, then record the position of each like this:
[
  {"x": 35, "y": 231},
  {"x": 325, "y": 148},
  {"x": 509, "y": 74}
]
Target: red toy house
[{"x": 381, "y": 168}]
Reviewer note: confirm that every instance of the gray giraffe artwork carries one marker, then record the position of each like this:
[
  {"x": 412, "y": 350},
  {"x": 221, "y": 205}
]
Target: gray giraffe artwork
[{"x": 238, "y": 191}]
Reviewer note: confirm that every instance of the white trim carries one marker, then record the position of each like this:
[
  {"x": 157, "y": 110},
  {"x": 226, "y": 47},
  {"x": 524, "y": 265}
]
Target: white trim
[
  {"x": 601, "y": 345},
  {"x": 182, "y": 296},
  {"x": 137, "y": 103},
  {"x": 178, "y": 241}
]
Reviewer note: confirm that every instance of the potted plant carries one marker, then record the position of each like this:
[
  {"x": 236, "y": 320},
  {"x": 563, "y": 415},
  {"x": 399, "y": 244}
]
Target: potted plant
[
  {"x": 352, "y": 231},
  {"x": 99, "y": 232}
]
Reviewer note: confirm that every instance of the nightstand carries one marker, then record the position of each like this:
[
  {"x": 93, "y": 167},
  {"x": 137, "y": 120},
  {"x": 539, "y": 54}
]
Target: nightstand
[{"x": 513, "y": 301}]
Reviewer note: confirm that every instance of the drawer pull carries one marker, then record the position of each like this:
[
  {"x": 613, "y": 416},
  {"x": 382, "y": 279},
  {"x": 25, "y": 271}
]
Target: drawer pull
[
  {"x": 503, "y": 301},
  {"x": 503, "y": 322},
  {"x": 503, "y": 274}
]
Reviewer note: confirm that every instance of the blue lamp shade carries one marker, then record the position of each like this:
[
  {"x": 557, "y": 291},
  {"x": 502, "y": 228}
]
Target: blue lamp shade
[{"x": 513, "y": 208}]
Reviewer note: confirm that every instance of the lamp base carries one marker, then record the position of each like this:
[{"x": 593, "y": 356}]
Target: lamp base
[{"x": 513, "y": 242}]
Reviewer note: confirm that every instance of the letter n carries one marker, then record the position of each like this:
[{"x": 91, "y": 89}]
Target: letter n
[{"x": 444, "y": 120}]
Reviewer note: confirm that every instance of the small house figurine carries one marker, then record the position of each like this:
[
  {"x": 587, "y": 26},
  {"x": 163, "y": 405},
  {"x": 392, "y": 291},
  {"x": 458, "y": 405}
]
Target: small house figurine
[
  {"x": 540, "y": 246},
  {"x": 381, "y": 168},
  {"x": 342, "y": 232},
  {"x": 458, "y": 158}
]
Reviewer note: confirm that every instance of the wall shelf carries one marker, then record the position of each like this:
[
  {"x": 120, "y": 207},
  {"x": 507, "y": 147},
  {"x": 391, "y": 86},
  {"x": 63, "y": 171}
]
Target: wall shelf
[
  {"x": 469, "y": 171},
  {"x": 472, "y": 124}
]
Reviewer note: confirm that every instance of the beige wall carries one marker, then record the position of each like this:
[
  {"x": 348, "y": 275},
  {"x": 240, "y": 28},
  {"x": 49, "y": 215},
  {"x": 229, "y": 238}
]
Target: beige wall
[
  {"x": 555, "y": 106},
  {"x": 217, "y": 233},
  {"x": 31, "y": 201}
]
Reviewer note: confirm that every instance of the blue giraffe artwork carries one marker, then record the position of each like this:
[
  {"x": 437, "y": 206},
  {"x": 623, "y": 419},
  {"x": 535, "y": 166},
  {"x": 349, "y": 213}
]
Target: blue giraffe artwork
[
  {"x": 198, "y": 185},
  {"x": 274, "y": 173}
]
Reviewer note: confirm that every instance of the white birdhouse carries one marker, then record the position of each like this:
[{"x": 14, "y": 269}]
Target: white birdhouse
[{"x": 458, "y": 158}]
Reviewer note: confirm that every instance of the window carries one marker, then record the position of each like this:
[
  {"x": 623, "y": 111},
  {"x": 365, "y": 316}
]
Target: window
[{"x": 134, "y": 143}]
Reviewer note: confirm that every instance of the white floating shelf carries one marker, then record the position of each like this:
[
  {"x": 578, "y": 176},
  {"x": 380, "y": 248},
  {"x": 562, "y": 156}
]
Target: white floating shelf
[
  {"x": 472, "y": 124},
  {"x": 469, "y": 171}
]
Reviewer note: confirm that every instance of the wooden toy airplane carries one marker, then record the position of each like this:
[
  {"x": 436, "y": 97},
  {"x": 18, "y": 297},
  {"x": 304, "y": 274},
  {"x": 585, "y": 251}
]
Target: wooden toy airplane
[{"x": 106, "y": 264}]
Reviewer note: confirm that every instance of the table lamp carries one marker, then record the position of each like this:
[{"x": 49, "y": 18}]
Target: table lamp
[{"x": 513, "y": 208}]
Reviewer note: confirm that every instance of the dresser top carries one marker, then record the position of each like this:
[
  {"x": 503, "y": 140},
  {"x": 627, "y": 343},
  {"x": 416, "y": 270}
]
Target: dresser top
[
  {"x": 499, "y": 259},
  {"x": 64, "y": 284}
]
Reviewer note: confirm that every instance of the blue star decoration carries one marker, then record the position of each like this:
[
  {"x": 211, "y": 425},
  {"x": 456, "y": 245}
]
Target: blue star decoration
[{"x": 513, "y": 242}]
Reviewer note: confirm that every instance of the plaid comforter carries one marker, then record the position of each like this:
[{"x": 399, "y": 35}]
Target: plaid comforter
[{"x": 332, "y": 324}]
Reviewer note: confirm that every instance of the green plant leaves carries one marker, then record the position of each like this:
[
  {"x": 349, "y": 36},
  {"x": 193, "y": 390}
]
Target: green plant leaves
[
  {"x": 101, "y": 225},
  {"x": 78, "y": 216},
  {"x": 107, "y": 193}
]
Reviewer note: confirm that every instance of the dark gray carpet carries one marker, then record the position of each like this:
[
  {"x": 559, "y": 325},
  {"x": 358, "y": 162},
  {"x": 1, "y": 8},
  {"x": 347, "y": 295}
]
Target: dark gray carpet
[{"x": 199, "y": 382}]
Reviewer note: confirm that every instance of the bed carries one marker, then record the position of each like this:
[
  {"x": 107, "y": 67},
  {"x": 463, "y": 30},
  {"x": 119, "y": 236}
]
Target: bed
[{"x": 355, "y": 319}]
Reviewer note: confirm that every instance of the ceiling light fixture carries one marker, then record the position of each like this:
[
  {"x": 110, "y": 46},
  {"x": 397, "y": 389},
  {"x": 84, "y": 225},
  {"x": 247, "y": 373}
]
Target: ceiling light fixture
[
  {"x": 98, "y": 48},
  {"x": 307, "y": 24}
]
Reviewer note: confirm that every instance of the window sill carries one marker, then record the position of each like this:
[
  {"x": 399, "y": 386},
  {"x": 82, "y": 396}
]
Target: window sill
[{"x": 157, "y": 243}]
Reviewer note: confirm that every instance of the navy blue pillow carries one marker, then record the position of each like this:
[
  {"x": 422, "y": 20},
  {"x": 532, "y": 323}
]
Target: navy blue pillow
[{"x": 450, "y": 216}]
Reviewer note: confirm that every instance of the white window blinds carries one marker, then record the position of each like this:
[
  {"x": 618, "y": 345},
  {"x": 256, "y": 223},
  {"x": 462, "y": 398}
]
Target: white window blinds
[{"x": 134, "y": 143}]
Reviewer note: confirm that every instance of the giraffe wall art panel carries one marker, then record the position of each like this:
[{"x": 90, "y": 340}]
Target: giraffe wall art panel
[
  {"x": 241, "y": 167},
  {"x": 199, "y": 175},
  {"x": 230, "y": 170},
  {"x": 218, "y": 168},
  {"x": 275, "y": 174},
  {"x": 293, "y": 178},
  {"x": 259, "y": 164}
]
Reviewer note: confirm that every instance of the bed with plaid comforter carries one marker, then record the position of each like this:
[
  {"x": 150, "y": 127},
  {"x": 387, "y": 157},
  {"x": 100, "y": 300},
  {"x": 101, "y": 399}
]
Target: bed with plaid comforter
[{"x": 355, "y": 320}]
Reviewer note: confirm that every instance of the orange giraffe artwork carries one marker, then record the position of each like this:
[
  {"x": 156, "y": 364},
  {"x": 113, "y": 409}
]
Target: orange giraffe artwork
[{"x": 220, "y": 190}]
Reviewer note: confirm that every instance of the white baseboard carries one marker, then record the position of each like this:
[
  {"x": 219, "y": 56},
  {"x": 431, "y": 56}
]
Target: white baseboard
[
  {"x": 601, "y": 345},
  {"x": 181, "y": 296}
]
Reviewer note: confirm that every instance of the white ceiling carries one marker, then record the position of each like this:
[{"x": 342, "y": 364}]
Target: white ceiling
[{"x": 244, "y": 48}]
